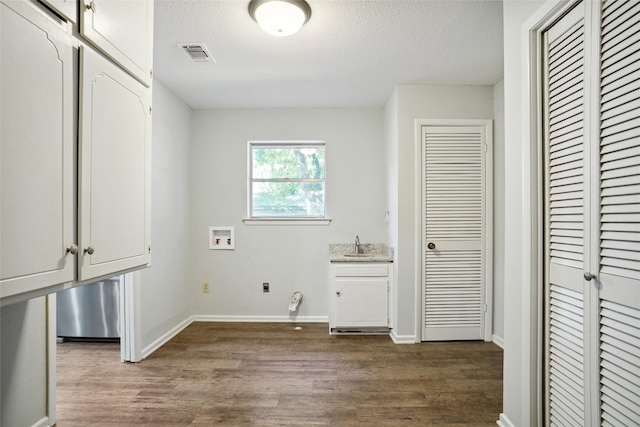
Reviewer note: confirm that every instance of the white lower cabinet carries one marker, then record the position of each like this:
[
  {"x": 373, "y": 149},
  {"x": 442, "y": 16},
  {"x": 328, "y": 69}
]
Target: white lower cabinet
[{"x": 359, "y": 296}]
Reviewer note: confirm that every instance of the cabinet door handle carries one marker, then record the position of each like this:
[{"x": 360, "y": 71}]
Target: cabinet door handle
[
  {"x": 589, "y": 276},
  {"x": 338, "y": 293},
  {"x": 92, "y": 6},
  {"x": 431, "y": 245},
  {"x": 89, "y": 250},
  {"x": 72, "y": 249}
]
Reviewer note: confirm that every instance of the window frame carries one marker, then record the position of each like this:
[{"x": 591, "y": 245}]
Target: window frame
[{"x": 283, "y": 220}]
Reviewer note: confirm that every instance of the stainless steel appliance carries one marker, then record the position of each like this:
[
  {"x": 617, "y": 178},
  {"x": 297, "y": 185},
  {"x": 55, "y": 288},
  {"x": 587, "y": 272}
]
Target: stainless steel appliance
[{"x": 90, "y": 311}]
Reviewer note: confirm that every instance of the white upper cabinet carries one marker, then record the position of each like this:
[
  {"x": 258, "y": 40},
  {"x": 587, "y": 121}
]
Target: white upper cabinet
[
  {"x": 36, "y": 151},
  {"x": 68, "y": 9},
  {"x": 123, "y": 30},
  {"x": 75, "y": 144},
  {"x": 114, "y": 168}
]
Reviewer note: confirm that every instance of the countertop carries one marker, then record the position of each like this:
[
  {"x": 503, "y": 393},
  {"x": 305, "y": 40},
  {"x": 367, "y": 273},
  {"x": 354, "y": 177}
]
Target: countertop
[{"x": 370, "y": 252}]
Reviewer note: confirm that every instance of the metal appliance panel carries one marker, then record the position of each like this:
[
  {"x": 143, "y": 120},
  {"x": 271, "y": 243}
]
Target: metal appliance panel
[{"x": 90, "y": 311}]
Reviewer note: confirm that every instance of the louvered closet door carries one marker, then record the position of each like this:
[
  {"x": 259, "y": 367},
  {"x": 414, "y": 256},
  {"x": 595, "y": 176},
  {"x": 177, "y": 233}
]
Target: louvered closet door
[
  {"x": 593, "y": 219},
  {"x": 564, "y": 167},
  {"x": 454, "y": 259},
  {"x": 618, "y": 276}
]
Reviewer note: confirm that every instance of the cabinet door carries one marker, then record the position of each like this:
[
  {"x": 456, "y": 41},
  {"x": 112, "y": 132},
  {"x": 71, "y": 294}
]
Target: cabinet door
[
  {"x": 123, "y": 30},
  {"x": 66, "y": 8},
  {"x": 114, "y": 168},
  {"x": 36, "y": 151},
  {"x": 360, "y": 302}
]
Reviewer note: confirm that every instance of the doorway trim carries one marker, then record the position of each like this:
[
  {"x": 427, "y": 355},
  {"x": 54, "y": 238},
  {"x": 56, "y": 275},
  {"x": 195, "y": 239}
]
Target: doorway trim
[
  {"x": 487, "y": 124},
  {"x": 130, "y": 328}
]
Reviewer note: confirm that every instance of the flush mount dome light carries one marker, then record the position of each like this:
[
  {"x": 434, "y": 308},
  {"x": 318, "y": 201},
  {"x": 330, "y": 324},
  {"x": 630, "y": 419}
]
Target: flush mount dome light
[{"x": 280, "y": 17}]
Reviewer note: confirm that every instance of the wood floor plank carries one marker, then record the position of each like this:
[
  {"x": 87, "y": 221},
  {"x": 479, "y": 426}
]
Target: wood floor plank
[{"x": 248, "y": 374}]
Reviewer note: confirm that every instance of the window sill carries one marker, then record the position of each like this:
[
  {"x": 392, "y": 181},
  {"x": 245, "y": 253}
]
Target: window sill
[{"x": 287, "y": 221}]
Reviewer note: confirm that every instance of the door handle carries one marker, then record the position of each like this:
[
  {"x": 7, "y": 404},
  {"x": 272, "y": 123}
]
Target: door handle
[
  {"x": 589, "y": 276},
  {"x": 338, "y": 293},
  {"x": 431, "y": 245}
]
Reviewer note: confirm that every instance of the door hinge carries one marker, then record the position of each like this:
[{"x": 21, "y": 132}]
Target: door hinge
[
  {"x": 484, "y": 147},
  {"x": 149, "y": 110},
  {"x": 484, "y": 308},
  {"x": 149, "y": 248}
]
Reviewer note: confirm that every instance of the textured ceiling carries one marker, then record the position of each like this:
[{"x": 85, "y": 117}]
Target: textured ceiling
[{"x": 352, "y": 53}]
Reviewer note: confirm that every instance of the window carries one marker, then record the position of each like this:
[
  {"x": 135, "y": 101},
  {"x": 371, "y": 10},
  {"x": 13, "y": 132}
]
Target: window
[{"x": 287, "y": 180}]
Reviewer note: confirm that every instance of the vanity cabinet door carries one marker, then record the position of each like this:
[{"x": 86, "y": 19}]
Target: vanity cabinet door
[
  {"x": 360, "y": 302},
  {"x": 114, "y": 169},
  {"x": 123, "y": 30},
  {"x": 36, "y": 151}
]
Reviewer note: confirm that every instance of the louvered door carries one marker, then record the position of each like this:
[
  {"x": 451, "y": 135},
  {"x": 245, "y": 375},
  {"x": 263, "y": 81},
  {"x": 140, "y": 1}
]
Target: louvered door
[
  {"x": 592, "y": 217},
  {"x": 564, "y": 152},
  {"x": 618, "y": 276},
  {"x": 454, "y": 241}
]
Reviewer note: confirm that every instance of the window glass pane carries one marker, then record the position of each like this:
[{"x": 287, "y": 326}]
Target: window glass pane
[
  {"x": 288, "y": 162},
  {"x": 288, "y": 199}
]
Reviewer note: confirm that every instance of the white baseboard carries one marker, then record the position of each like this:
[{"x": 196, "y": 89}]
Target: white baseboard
[
  {"x": 42, "y": 422},
  {"x": 504, "y": 421},
  {"x": 260, "y": 319},
  {"x": 166, "y": 337},
  {"x": 402, "y": 339},
  {"x": 499, "y": 341}
]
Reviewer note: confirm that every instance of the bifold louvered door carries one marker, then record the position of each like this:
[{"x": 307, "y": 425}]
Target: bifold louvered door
[
  {"x": 592, "y": 217},
  {"x": 564, "y": 153},
  {"x": 454, "y": 240},
  {"x": 618, "y": 276}
]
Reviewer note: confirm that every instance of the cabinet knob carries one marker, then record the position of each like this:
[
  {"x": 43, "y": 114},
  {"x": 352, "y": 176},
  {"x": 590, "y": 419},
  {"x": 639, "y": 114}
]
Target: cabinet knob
[
  {"x": 73, "y": 249},
  {"x": 338, "y": 293},
  {"x": 89, "y": 250},
  {"x": 92, "y": 6},
  {"x": 431, "y": 245},
  {"x": 589, "y": 276}
]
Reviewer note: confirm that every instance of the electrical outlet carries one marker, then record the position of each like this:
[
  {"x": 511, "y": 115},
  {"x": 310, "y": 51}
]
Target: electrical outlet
[
  {"x": 265, "y": 287},
  {"x": 205, "y": 287}
]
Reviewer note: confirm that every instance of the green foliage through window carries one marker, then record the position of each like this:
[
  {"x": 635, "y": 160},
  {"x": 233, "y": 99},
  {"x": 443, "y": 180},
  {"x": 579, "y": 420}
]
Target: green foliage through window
[{"x": 287, "y": 180}]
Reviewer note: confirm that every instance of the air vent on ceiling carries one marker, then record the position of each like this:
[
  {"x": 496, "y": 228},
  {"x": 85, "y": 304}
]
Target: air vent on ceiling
[{"x": 198, "y": 52}]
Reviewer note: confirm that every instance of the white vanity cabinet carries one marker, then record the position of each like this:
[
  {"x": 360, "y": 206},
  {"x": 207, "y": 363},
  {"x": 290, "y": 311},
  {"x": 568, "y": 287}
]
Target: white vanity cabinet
[
  {"x": 359, "y": 296},
  {"x": 36, "y": 150},
  {"x": 75, "y": 155},
  {"x": 101, "y": 23}
]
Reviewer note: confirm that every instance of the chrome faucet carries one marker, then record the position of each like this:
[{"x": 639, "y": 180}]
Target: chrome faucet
[{"x": 357, "y": 245}]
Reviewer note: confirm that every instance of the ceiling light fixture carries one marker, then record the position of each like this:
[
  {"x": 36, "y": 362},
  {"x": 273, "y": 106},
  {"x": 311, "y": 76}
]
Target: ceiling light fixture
[{"x": 280, "y": 17}]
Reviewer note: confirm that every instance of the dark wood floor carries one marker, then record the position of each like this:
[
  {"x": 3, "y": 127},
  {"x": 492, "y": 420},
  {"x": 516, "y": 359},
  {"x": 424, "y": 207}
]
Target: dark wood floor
[{"x": 246, "y": 374}]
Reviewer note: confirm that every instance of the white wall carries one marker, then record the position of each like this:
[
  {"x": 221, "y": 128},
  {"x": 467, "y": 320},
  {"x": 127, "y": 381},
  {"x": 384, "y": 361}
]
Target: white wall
[
  {"x": 165, "y": 294},
  {"x": 421, "y": 102},
  {"x": 290, "y": 258},
  {"x": 391, "y": 154},
  {"x": 23, "y": 363},
  {"x": 517, "y": 359},
  {"x": 498, "y": 212}
]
